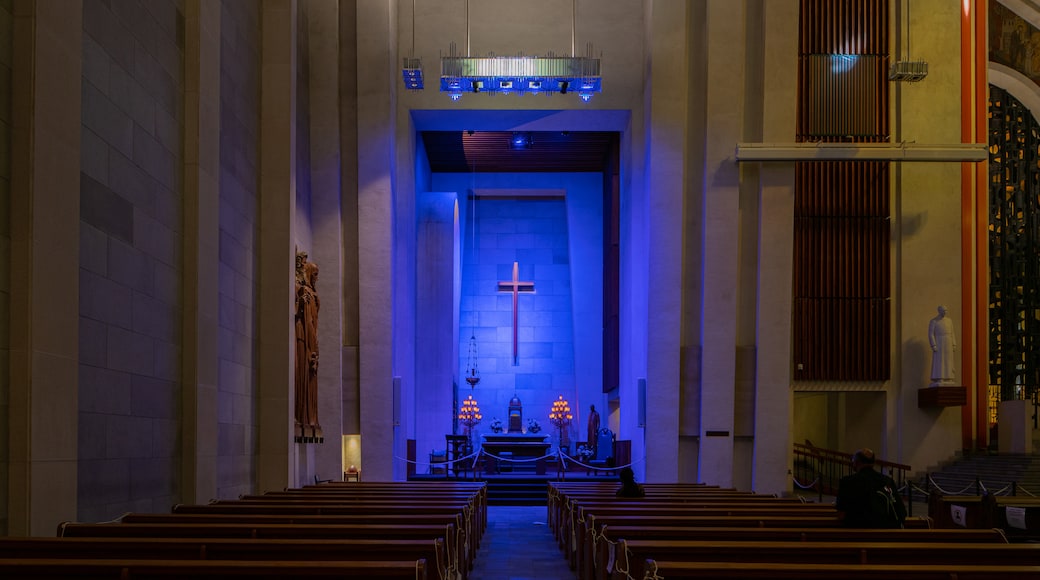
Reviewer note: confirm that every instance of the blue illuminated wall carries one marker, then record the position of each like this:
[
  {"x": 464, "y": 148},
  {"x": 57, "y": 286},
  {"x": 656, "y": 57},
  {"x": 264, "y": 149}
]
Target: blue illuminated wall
[{"x": 558, "y": 243}]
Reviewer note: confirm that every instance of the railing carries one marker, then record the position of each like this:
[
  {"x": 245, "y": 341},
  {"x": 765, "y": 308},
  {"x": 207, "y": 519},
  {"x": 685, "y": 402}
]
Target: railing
[{"x": 822, "y": 469}]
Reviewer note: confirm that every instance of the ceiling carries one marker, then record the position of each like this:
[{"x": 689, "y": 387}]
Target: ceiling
[{"x": 491, "y": 151}]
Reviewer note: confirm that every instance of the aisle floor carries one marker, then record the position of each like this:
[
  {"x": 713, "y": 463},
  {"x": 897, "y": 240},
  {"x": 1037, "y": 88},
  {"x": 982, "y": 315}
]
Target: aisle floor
[{"x": 518, "y": 545}]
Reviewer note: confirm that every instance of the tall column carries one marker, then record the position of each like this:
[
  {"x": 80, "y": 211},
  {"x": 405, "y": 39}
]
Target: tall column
[
  {"x": 275, "y": 466},
  {"x": 201, "y": 248},
  {"x": 435, "y": 319},
  {"x": 45, "y": 183},
  {"x": 724, "y": 112},
  {"x": 665, "y": 188},
  {"x": 376, "y": 39},
  {"x": 327, "y": 225},
  {"x": 773, "y": 397}
]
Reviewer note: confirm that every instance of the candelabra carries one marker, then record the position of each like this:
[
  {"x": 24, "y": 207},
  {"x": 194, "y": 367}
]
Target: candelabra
[
  {"x": 469, "y": 415},
  {"x": 560, "y": 416}
]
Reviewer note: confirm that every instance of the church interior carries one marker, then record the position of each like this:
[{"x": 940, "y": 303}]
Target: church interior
[{"x": 697, "y": 239}]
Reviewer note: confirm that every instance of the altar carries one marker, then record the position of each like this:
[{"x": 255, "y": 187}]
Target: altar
[{"x": 515, "y": 446}]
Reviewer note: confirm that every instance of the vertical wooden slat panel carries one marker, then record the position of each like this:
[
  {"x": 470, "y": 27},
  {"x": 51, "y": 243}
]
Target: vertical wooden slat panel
[{"x": 841, "y": 276}]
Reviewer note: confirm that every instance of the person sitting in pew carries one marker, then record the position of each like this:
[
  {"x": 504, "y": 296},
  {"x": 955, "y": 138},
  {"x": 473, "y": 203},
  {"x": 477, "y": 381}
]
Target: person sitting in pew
[
  {"x": 629, "y": 487},
  {"x": 868, "y": 499}
]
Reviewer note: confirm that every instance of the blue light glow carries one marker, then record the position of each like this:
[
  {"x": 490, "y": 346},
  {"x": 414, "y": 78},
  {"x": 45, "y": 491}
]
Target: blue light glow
[{"x": 842, "y": 63}]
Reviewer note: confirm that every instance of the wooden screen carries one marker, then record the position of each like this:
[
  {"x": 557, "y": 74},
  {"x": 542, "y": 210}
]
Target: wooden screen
[{"x": 841, "y": 256}]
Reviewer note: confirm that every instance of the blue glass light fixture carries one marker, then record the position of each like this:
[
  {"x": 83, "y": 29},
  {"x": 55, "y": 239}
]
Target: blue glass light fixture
[
  {"x": 412, "y": 73},
  {"x": 520, "y": 74}
]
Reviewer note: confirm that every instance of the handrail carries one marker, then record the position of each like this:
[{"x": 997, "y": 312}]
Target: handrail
[{"x": 826, "y": 467}]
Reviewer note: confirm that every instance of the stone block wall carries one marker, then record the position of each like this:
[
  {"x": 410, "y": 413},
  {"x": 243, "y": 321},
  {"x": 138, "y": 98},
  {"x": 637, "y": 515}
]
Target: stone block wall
[
  {"x": 130, "y": 257},
  {"x": 238, "y": 270}
]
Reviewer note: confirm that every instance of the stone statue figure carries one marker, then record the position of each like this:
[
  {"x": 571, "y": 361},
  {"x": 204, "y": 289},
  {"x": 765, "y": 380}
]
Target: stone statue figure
[
  {"x": 306, "y": 375},
  {"x": 593, "y": 428},
  {"x": 943, "y": 342}
]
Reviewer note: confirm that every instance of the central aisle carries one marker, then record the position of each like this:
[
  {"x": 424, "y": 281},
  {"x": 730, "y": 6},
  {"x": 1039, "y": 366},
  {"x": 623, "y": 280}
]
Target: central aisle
[{"x": 518, "y": 545}]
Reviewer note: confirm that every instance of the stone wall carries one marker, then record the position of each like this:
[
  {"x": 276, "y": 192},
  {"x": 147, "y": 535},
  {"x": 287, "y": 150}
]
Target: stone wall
[
  {"x": 130, "y": 257},
  {"x": 239, "y": 217}
]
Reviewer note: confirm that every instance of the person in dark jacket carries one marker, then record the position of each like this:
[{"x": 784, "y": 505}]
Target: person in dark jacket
[
  {"x": 629, "y": 487},
  {"x": 868, "y": 499}
]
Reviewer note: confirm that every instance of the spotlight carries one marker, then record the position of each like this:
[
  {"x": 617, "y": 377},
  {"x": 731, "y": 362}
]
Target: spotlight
[{"x": 521, "y": 140}]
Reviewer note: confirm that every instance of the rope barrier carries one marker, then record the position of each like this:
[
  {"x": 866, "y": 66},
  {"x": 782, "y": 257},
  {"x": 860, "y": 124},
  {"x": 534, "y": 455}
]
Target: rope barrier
[
  {"x": 1026, "y": 491},
  {"x": 810, "y": 486},
  {"x": 944, "y": 492},
  {"x": 1003, "y": 490}
]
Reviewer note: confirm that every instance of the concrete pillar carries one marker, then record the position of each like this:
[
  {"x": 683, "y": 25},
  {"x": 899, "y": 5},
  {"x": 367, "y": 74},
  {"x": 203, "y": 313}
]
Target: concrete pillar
[
  {"x": 773, "y": 395},
  {"x": 275, "y": 465},
  {"x": 327, "y": 226},
  {"x": 199, "y": 431},
  {"x": 665, "y": 189},
  {"x": 724, "y": 113},
  {"x": 377, "y": 64},
  {"x": 45, "y": 217},
  {"x": 436, "y": 314}
]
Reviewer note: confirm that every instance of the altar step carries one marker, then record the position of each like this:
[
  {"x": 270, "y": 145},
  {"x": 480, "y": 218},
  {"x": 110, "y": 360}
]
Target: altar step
[
  {"x": 519, "y": 488},
  {"x": 517, "y": 492}
]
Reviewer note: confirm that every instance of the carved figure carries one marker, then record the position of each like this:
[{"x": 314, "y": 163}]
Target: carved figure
[
  {"x": 943, "y": 342},
  {"x": 593, "y": 428},
  {"x": 307, "y": 307}
]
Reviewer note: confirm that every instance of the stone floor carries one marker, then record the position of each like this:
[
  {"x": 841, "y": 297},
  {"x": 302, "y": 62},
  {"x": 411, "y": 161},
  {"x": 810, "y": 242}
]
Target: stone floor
[{"x": 518, "y": 545}]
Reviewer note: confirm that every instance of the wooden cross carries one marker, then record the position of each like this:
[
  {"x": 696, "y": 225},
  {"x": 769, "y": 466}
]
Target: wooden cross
[{"x": 515, "y": 286}]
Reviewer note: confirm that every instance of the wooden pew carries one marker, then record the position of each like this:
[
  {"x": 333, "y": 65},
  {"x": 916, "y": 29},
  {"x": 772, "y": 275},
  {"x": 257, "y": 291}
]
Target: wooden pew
[
  {"x": 605, "y": 544},
  {"x": 98, "y": 569},
  {"x": 666, "y": 570},
  {"x": 630, "y": 555},
  {"x": 467, "y": 534},
  {"x": 432, "y": 551},
  {"x": 456, "y": 551},
  {"x": 582, "y": 553}
]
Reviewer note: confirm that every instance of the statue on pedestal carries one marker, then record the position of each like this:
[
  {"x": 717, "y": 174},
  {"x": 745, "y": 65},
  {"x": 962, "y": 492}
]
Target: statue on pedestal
[{"x": 943, "y": 341}]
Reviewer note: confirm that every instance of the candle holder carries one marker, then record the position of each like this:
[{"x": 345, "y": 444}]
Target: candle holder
[
  {"x": 560, "y": 416},
  {"x": 469, "y": 415}
]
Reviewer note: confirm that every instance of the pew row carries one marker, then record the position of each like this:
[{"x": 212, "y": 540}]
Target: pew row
[
  {"x": 456, "y": 561},
  {"x": 432, "y": 551},
  {"x": 631, "y": 554},
  {"x": 668, "y": 570},
  {"x": 121, "y": 569}
]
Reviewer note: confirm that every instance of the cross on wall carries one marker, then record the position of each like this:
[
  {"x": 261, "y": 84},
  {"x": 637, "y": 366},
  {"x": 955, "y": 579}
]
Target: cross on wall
[{"x": 516, "y": 286}]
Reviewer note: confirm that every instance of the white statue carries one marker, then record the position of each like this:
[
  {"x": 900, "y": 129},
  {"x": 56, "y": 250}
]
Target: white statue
[{"x": 944, "y": 342}]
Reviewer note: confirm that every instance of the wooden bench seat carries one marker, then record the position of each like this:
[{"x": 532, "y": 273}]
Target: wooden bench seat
[
  {"x": 121, "y": 569},
  {"x": 432, "y": 551},
  {"x": 473, "y": 527},
  {"x": 459, "y": 558},
  {"x": 604, "y": 546},
  {"x": 631, "y": 554},
  {"x": 581, "y": 554},
  {"x": 667, "y": 570}
]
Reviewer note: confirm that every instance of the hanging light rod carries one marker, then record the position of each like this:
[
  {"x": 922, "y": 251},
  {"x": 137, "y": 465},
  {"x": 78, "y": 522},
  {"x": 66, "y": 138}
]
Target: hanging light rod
[
  {"x": 521, "y": 74},
  {"x": 956, "y": 152}
]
